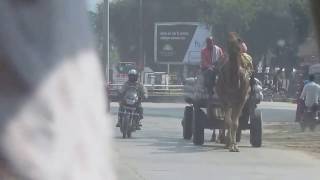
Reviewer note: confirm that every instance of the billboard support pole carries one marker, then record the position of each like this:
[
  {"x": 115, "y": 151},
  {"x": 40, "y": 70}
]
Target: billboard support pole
[
  {"x": 141, "y": 46},
  {"x": 185, "y": 71},
  {"x": 168, "y": 75}
]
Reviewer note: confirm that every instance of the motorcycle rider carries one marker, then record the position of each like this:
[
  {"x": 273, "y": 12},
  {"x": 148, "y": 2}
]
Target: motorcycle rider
[
  {"x": 311, "y": 93},
  {"x": 300, "y": 104},
  {"x": 142, "y": 94}
]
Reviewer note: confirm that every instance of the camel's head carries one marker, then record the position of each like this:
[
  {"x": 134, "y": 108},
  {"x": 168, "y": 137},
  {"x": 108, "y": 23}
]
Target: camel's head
[{"x": 234, "y": 46}]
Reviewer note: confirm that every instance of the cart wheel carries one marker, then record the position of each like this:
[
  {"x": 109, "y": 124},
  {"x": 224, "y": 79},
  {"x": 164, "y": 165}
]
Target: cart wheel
[
  {"x": 239, "y": 133},
  {"x": 313, "y": 124},
  {"x": 129, "y": 134},
  {"x": 302, "y": 126},
  {"x": 222, "y": 137},
  {"x": 256, "y": 129},
  {"x": 187, "y": 122},
  {"x": 312, "y": 127},
  {"x": 198, "y": 127},
  {"x": 124, "y": 128}
]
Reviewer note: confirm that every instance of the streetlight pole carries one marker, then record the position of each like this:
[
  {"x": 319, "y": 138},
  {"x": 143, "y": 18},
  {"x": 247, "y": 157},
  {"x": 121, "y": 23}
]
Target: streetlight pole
[
  {"x": 141, "y": 51},
  {"x": 106, "y": 32}
]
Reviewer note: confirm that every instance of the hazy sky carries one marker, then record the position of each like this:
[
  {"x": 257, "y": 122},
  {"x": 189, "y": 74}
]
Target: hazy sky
[{"x": 92, "y": 4}]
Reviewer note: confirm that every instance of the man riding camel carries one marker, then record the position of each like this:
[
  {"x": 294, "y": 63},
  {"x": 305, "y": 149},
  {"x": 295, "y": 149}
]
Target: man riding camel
[{"x": 210, "y": 56}]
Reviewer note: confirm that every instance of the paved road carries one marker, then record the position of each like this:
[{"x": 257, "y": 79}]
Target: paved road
[{"x": 159, "y": 153}]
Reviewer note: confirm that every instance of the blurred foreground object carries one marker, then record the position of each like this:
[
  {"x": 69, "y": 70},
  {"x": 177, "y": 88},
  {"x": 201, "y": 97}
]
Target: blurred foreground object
[{"x": 52, "y": 101}]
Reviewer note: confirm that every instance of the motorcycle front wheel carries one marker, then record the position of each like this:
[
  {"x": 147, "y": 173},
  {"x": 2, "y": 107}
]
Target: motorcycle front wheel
[{"x": 124, "y": 127}]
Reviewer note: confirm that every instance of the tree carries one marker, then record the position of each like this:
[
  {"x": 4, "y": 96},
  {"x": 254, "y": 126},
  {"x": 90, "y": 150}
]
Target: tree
[
  {"x": 229, "y": 15},
  {"x": 286, "y": 21},
  {"x": 96, "y": 20},
  {"x": 124, "y": 19},
  {"x": 261, "y": 23}
]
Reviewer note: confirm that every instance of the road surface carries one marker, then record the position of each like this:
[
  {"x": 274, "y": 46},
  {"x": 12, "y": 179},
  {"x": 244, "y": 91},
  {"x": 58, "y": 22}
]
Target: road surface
[{"x": 159, "y": 153}]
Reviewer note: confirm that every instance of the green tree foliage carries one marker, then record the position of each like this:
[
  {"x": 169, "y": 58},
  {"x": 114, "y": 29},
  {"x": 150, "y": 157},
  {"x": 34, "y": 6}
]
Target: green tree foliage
[
  {"x": 96, "y": 19},
  {"x": 124, "y": 19},
  {"x": 229, "y": 15},
  {"x": 262, "y": 23}
]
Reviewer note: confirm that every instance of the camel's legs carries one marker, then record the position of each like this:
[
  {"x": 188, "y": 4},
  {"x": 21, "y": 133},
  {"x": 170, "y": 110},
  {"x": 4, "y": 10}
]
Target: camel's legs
[
  {"x": 222, "y": 136},
  {"x": 234, "y": 128},
  {"x": 213, "y": 137},
  {"x": 228, "y": 121},
  {"x": 236, "y": 112}
]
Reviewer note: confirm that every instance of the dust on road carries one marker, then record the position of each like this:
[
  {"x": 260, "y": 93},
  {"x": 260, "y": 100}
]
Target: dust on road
[{"x": 289, "y": 136}]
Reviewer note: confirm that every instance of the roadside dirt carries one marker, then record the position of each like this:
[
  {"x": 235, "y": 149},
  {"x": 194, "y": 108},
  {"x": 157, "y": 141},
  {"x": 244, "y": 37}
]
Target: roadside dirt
[{"x": 290, "y": 136}]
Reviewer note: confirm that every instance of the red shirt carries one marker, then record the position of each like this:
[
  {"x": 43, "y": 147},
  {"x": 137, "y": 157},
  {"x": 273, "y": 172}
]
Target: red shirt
[{"x": 209, "y": 56}]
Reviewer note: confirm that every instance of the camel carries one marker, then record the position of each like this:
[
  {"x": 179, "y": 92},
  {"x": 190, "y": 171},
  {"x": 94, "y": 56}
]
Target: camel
[{"x": 233, "y": 89}]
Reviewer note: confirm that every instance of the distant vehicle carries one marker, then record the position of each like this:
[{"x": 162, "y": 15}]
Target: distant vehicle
[
  {"x": 120, "y": 72},
  {"x": 268, "y": 94},
  {"x": 308, "y": 117}
]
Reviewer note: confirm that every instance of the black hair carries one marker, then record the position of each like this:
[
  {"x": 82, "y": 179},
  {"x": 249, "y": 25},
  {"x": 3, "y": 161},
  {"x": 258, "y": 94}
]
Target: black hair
[{"x": 311, "y": 77}]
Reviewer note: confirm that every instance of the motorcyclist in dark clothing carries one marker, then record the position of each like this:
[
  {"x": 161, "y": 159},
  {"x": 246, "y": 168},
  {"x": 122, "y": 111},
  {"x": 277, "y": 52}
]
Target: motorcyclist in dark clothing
[{"x": 142, "y": 94}]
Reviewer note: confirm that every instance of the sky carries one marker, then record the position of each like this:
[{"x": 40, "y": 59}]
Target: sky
[{"x": 92, "y": 4}]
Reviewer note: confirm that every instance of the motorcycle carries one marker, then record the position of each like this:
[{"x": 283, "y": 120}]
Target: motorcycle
[
  {"x": 128, "y": 112},
  {"x": 258, "y": 90},
  {"x": 267, "y": 94},
  {"x": 309, "y": 118}
]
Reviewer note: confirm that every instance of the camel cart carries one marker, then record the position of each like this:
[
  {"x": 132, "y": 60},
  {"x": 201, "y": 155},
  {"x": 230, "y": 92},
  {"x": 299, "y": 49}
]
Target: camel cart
[{"x": 206, "y": 113}]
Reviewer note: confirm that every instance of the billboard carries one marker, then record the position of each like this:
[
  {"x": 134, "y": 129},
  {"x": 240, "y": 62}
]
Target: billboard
[{"x": 179, "y": 42}]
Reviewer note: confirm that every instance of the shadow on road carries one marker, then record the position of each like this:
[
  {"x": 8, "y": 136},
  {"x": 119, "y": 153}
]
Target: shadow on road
[{"x": 169, "y": 145}]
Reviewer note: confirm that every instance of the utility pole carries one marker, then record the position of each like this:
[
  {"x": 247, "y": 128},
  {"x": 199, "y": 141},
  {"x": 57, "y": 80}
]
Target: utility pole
[
  {"x": 106, "y": 39},
  {"x": 141, "y": 48}
]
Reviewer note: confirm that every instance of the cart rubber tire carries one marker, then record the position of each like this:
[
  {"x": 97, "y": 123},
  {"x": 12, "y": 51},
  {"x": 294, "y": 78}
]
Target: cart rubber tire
[
  {"x": 238, "y": 137},
  {"x": 129, "y": 134},
  {"x": 198, "y": 127},
  {"x": 256, "y": 129},
  {"x": 124, "y": 127},
  {"x": 303, "y": 126},
  {"x": 187, "y": 122}
]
